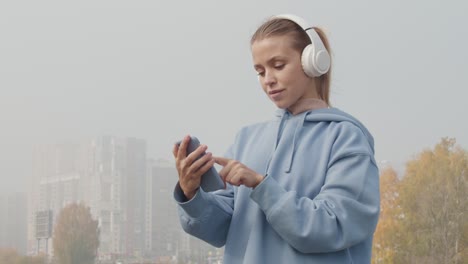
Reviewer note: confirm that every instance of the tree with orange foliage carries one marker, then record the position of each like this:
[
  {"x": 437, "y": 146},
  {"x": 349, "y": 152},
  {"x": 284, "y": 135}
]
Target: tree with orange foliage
[
  {"x": 434, "y": 204},
  {"x": 76, "y": 236},
  {"x": 11, "y": 256},
  {"x": 386, "y": 236}
]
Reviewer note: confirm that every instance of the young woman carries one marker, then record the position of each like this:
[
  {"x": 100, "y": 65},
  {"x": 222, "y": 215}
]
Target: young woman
[{"x": 302, "y": 188}]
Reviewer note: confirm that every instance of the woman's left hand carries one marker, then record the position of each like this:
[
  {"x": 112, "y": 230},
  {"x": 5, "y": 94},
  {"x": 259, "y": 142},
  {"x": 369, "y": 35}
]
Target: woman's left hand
[{"x": 237, "y": 173}]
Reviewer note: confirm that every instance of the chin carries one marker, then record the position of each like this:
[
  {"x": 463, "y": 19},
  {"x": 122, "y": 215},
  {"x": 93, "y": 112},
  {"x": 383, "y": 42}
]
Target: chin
[{"x": 282, "y": 105}]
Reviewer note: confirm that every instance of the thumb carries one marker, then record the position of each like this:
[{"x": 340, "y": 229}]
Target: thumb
[{"x": 221, "y": 161}]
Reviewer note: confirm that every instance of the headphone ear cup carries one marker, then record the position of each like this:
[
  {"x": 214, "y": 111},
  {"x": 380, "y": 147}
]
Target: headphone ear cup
[
  {"x": 307, "y": 60},
  {"x": 322, "y": 61},
  {"x": 315, "y": 65}
]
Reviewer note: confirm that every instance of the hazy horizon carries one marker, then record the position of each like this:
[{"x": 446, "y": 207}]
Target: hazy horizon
[{"x": 160, "y": 70}]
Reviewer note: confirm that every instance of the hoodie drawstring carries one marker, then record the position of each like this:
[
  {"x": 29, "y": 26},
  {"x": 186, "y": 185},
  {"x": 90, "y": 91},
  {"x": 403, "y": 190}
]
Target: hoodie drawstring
[
  {"x": 279, "y": 132},
  {"x": 297, "y": 132}
]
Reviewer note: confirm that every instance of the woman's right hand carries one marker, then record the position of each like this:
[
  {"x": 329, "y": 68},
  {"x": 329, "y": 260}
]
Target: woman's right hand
[{"x": 189, "y": 168}]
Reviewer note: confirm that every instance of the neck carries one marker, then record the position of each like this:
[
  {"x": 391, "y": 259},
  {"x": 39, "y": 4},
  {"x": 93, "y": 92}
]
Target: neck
[{"x": 307, "y": 104}]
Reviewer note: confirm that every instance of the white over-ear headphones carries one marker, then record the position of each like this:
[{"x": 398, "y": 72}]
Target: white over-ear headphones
[{"x": 315, "y": 57}]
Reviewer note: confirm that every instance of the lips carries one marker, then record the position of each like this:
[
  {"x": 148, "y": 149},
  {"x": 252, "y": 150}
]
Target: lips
[
  {"x": 275, "y": 91},
  {"x": 275, "y": 94}
]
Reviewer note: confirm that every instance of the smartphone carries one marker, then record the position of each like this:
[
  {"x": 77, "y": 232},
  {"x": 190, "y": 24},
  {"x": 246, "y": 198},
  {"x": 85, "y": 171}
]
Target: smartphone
[{"x": 211, "y": 180}]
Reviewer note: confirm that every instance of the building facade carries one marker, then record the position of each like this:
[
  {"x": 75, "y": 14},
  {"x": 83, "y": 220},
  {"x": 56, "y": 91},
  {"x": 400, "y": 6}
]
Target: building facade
[{"x": 13, "y": 224}]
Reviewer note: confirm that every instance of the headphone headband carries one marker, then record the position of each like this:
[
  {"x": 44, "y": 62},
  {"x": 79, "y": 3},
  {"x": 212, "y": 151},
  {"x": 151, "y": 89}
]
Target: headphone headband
[{"x": 315, "y": 57}]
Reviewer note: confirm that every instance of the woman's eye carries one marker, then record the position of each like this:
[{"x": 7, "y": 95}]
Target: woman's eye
[
  {"x": 279, "y": 66},
  {"x": 261, "y": 73}
]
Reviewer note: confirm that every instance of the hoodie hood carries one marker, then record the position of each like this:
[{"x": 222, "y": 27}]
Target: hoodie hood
[{"x": 318, "y": 115}]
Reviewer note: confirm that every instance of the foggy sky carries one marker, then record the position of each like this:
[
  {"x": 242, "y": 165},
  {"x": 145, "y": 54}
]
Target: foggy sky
[{"x": 159, "y": 70}]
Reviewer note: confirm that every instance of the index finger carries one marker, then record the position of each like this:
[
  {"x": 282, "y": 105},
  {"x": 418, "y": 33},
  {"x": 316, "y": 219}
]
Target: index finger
[
  {"x": 175, "y": 150},
  {"x": 182, "y": 153},
  {"x": 221, "y": 161}
]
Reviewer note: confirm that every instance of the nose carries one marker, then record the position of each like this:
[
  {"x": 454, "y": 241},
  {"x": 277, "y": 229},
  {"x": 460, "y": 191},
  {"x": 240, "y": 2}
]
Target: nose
[{"x": 269, "y": 78}]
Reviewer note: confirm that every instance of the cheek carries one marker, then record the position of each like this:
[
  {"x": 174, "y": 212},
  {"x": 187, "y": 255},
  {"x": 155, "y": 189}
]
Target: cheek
[
  {"x": 290, "y": 79},
  {"x": 298, "y": 77},
  {"x": 297, "y": 84},
  {"x": 291, "y": 75}
]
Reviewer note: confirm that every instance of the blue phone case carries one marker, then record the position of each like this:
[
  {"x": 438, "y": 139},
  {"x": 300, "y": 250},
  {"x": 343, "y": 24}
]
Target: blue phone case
[{"x": 211, "y": 180}]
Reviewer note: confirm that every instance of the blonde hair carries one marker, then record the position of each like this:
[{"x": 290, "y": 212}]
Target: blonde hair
[{"x": 299, "y": 40}]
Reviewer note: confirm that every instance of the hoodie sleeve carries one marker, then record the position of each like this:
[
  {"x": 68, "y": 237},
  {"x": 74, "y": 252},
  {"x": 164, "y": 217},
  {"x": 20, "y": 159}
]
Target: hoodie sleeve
[
  {"x": 344, "y": 213},
  {"x": 208, "y": 214}
]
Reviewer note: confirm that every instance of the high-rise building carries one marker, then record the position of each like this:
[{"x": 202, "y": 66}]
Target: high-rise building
[
  {"x": 58, "y": 179},
  {"x": 163, "y": 229},
  {"x": 117, "y": 194},
  {"x": 13, "y": 223},
  {"x": 165, "y": 238}
]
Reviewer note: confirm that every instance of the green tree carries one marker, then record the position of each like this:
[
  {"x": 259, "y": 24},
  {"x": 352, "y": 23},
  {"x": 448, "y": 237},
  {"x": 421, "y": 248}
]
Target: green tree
[
  {"x": 76, "y": 236},
  {"x": 433, "y": 201}
]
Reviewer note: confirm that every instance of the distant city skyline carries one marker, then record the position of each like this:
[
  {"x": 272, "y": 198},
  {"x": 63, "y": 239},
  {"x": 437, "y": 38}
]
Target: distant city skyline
[
  {"x": 159, "y": 71},
  {"x": 127, "y": 193}
]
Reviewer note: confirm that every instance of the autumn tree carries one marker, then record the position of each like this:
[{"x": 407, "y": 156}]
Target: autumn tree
[
  {"x": 11, "y": 256},
  {"x": 432, "y": 197},
  {"x": 386, "y": 237},
  {"x": 76, "y": 236}
]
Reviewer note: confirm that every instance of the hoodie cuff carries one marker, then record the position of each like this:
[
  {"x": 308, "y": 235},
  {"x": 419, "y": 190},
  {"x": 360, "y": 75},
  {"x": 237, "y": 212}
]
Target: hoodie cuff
[
  {"x": 193, "y": 207},
  {"x": 267, "y": 194}
]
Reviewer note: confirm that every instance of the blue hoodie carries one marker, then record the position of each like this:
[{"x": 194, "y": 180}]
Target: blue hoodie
[{"x": 319, "y": 201}]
